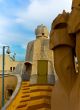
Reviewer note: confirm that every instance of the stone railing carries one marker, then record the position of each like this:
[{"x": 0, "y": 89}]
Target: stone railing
[{"x": 15, "y": 92}]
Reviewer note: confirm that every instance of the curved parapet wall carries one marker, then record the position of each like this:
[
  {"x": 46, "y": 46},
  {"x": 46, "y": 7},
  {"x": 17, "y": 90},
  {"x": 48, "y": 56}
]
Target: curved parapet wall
[
  {"x": 15, "y": 92},
  {"x": 31, "y": 97},
  {"x": 10, "y": 82}
]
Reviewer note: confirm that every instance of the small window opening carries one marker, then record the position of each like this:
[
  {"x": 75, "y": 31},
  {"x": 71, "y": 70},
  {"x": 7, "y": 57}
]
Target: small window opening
[
  {"x": 11, "y": 69},
  {"x": 43, "y": 34}
]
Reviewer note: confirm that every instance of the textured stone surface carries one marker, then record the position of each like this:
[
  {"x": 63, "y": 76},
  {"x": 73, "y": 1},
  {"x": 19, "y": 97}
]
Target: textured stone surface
[
  {"x": 33, "y": 79},
  {"x": 39, "y": 50},
  {"x": 41, "y": 30},
  {"x": 10, "y": 82},
  {"x": 51, "y": 79},
  {"x": 66, "y": 92},
  {"x": 62, "y": 101}
]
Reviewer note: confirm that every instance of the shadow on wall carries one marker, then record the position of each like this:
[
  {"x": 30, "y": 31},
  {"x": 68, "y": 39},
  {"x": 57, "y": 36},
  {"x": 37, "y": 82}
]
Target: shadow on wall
[
  {"x": 10, "y": 82},
  {"x": 26, "y": 71}
]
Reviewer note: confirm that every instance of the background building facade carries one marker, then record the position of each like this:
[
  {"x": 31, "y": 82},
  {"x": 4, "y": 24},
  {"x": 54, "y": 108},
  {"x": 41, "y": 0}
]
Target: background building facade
[{"x": 10, "y": 63}]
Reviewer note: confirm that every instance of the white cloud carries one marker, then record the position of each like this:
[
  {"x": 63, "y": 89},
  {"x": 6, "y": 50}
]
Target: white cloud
[
  {"x": 10, "y": 38},
  {"x": 4, "y": 22},
  {"x": 41, "y": 11},
  {"x": 37, "y": 12}
]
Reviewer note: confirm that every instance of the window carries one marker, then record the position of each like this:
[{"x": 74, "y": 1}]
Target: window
[
  {"x": 11, "y": 69},
  {"x": 43, "y": 34}
]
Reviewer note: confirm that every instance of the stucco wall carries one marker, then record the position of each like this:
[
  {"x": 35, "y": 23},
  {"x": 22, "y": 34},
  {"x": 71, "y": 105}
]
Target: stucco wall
[
  {"x": 10, "y": 81},
  {"x": 8, "y": 63},
  {"x": 63, "y": 101}
]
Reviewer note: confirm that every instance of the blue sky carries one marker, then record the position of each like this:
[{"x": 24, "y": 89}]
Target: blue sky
[{"x": 19, "y": 18}]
